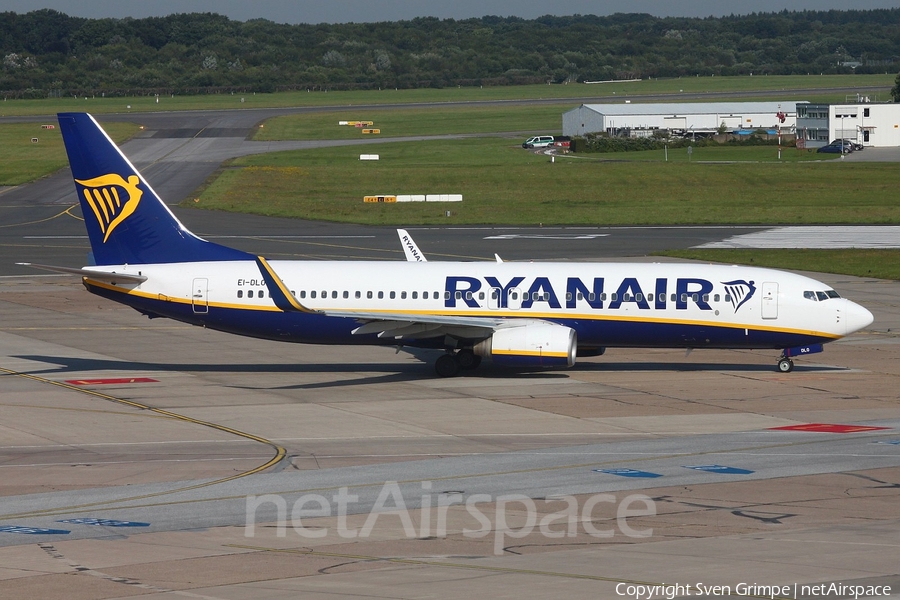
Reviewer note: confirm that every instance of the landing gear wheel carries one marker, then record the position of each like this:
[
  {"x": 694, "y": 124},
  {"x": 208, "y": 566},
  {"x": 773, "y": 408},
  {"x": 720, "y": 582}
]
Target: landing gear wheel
[
  {"x": 785, "y": 365},
  {"x": 467, "y": 359},
  {"x": 446, "y": 366}
]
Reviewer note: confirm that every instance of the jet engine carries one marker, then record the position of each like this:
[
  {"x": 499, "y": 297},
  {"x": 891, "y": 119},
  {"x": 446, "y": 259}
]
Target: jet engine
[{"x": 530, "y": 345}]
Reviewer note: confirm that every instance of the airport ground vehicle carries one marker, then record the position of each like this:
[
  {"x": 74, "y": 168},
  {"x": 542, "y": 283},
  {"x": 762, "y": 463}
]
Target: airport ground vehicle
[{"x": 538, "y": 141}]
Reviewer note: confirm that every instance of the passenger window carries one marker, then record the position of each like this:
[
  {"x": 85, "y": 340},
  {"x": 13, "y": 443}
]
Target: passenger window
[
  {"x": 358, "y": 294},
  {"x": 673, "y": 297},
  {"x": 639, "y": 297},
  {"x": 662, "y": 298},
  {"x": 369, "y": 295},
  {"x": 458, "y": 295},
  {"x": 515, "y": 295},
  {"x": 424, "y": 295},
  {"x": 334, "y": 294},
  {"x": 568, "y": 296},
  {"x": 393, "y": 295},
  {"x": 403, "y": 295},
  {"x": 727, "y": 297},
  {"x": 626, "y": 298},
  {"x": 415, "y": 295},
  {"x": 249, "y": 293},
  {"x": 380, "y": 295},
  {"x": 614, "y": 296},
  {"x": 324, "y": 294},
  {"x": 706, "y": 297},
  {"x": 684, "y": 297},
  {"x": 695, "y": 297},
  {"x": 303, "y": 293},
  {"x": 346, "y": 294},
  {"x": 579, "y": 296},
  {"x": 468, "y": 295},
  {"x": 535, "y": 296},
  {"x": 716, "y": 298},
  {"x": 480, "y": 295},
  {"x": 447, "y": 295},
  {"x": 240, "y": 293}
]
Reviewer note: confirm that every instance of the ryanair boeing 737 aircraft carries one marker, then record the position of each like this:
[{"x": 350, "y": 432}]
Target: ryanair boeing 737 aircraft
[{"x": 516, "y": 314}]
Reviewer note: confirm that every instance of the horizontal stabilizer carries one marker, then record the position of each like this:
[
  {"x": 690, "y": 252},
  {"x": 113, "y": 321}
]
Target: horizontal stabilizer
[{"x": 109, "y": 276}]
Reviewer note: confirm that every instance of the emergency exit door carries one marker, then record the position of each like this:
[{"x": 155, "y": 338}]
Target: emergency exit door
[
  {"x": 770, "y": 300},
  {"x": 200, "y": 295}
]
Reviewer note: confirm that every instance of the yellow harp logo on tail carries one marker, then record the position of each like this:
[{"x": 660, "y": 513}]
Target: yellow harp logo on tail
[{"x": 111, "y": 198}]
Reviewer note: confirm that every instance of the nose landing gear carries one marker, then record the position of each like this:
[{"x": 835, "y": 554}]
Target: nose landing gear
[{"x": 785, "y": 365}]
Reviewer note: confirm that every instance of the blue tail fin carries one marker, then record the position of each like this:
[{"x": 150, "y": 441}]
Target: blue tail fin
[{"x": 126, "y": 221}]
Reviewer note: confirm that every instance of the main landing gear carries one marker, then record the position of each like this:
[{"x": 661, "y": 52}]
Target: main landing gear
[{"x": 450, "y": 364}]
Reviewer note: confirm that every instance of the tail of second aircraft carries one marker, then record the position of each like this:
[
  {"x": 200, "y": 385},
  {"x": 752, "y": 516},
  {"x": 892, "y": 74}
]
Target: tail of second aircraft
[{"x": 126, "y": 220}]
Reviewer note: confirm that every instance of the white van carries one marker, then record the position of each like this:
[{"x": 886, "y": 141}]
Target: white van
[{"x": 538, "y": 141}]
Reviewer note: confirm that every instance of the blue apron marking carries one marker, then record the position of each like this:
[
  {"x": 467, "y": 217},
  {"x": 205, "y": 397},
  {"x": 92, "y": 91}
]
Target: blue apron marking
[
  {"x": 104, "y": 522},
  {"x": 719, "y": 469},
  {"x": 32, "y": 530},
  {"x": 628, "y": 473}
]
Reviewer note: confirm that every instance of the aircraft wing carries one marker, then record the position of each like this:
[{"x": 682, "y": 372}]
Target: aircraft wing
[{"x": 419, "y": 326}]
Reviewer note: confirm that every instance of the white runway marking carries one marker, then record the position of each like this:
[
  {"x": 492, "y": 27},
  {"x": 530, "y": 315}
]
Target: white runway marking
[
  {"x": 552, "y": 236},
  {"x": 830, "y": 236}
]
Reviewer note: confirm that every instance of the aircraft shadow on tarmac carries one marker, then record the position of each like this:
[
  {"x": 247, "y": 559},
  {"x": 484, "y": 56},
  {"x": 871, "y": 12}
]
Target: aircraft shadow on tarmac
[{"x": 391, "y": 372}]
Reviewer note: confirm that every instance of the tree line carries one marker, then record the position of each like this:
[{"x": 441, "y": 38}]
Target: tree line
[{"x": 48, "y": 53}]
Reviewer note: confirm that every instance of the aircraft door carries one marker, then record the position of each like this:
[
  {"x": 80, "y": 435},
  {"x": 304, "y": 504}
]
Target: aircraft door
[
  {"x": 514, "y": 298},
  {"x": 770, "y": 300},
  {"x": 494, "y": 298},
  {"x": 200, "y": 295}
]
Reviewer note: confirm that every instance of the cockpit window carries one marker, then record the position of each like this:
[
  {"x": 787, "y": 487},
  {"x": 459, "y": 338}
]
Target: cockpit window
[
  {"x": 810, "y": 296},
  {"x": 832, "y": 294},
  {"x": 822, "y": 295}
]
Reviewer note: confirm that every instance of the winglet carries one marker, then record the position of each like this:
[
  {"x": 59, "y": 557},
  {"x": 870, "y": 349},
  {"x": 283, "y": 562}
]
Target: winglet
[
  {"x": 282, "y": 296},
  {"x": 413, "y": 254}
]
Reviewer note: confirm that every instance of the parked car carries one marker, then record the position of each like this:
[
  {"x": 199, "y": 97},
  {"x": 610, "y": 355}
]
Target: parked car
[
  {"x": 538, "y": 141},
  {"x": 834, "y": 149},
  {"x": 847, "y": 144},
  {"x": 852, "y": 143}
]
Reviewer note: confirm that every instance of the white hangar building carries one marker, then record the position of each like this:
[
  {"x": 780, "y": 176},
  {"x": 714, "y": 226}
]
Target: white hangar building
[{"x": 641, "y": 120}]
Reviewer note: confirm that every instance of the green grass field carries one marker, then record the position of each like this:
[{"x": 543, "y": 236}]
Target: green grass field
[
  {"x": 505, "y": 184},
  {"x": 687, "y": 85},
  {"x": 22, "y": 160},
  {"x": 415, "y": 121}
]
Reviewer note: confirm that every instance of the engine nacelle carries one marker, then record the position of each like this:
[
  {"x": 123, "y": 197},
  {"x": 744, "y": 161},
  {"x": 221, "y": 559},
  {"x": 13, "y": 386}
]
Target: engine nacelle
[{"x": 532, "y": 345}]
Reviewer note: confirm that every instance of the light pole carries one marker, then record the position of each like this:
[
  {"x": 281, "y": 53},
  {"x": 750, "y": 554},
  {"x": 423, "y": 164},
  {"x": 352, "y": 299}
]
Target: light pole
[{"x": 842, "y": 137}]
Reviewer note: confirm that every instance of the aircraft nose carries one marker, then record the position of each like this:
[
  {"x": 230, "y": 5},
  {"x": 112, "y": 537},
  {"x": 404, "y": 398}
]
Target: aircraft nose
[{"x": 856, "y": 317}]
